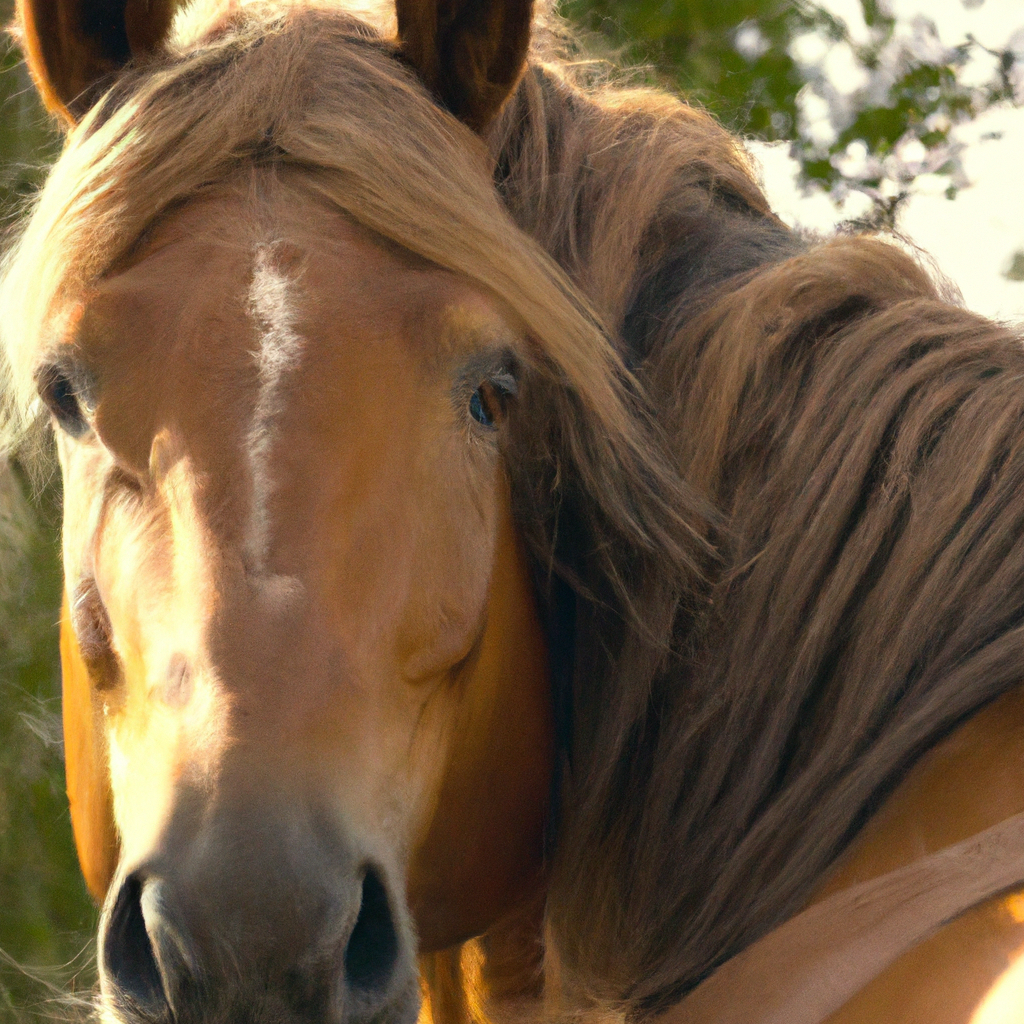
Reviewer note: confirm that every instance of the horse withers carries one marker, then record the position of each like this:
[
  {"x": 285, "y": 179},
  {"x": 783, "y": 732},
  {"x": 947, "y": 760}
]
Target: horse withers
[{"x": 501, "y": 559}]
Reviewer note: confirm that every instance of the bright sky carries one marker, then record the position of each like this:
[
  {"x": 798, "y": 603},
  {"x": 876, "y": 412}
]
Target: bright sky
[{"x": 973, "y": 237}]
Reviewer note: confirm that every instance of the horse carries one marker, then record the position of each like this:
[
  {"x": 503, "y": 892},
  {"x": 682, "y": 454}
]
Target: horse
[{"x": 509, "y": 575}]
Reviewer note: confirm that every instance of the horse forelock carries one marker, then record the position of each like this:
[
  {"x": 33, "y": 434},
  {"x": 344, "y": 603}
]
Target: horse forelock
[{"x": 245, "y": 83}]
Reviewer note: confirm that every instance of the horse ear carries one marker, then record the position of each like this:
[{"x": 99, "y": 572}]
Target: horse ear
[
  {"x": 72, "y": 46},
  {"x": 470, "y": 53},
  {"x": 85, "y": 766}
]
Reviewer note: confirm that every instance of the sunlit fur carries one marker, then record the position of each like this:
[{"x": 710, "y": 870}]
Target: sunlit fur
[{"x": 736, "y": 691}]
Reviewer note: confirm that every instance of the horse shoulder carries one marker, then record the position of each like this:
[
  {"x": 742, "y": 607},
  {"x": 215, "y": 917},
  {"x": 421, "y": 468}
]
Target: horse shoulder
[{"x": 972, "y": 970}]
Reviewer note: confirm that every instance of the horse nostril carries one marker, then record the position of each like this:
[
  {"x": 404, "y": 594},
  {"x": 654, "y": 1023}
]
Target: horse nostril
[
  {"x": 372, "y": 950},
  {"x": 127, "y": 953}
]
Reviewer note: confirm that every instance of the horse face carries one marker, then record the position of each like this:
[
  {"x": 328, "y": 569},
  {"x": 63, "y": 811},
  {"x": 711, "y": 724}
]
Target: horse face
[{"x": 313, "y": 660}]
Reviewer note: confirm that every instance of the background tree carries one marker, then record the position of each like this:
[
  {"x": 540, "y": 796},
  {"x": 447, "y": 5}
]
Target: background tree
[{"x": 868, "y": 94}]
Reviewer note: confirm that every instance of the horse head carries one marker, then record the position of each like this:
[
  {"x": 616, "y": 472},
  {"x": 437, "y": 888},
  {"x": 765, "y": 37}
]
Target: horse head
[
  {"x": 296, "y": 717},
  {"x": 307, "y": 708}
]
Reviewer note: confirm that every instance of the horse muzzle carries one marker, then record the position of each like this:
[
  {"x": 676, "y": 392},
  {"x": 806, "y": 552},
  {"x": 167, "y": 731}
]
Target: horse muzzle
[{"x": 298, "y": 934}]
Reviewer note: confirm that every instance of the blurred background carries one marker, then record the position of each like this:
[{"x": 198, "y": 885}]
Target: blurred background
[{"x": 903, "y": 115}]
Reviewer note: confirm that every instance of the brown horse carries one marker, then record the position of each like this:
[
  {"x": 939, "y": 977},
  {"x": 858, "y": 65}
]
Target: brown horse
[{"x": 492, "y": 538}]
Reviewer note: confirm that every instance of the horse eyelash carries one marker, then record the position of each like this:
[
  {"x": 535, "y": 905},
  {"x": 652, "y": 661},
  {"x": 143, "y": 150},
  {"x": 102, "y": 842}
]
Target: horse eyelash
[{"x": 505, "y": 383}]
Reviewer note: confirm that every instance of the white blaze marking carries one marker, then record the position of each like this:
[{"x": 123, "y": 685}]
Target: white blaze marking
[{"x": 280, "y": 349}]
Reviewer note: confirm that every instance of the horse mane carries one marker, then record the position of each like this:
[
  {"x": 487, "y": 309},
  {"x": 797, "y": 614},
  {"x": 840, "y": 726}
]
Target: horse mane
[
  {"x": 862, "y": 438},
  {"x": 767, "y": 484}
]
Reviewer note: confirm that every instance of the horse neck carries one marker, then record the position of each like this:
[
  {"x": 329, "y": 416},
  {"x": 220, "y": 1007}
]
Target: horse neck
[{"x": 965, "y": 784}]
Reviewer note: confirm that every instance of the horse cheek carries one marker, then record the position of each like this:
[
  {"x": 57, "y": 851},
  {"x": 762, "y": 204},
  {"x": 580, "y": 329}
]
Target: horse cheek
[{"x": 88, "y": 785}]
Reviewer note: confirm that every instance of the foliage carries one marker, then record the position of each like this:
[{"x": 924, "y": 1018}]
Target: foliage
[
  {"x": 1016, "y": 269},
  {"x": 28, "y": 141},
  {"x": 46, "y": 916},
  {"x": 867, "y": 100}
]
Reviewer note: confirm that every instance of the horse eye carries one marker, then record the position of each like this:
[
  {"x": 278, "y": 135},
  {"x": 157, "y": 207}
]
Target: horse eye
[
  {"x": 480, "y": 407},
  {"x": 60, "y": 396},
  {"x": 487, "y": 404}
]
